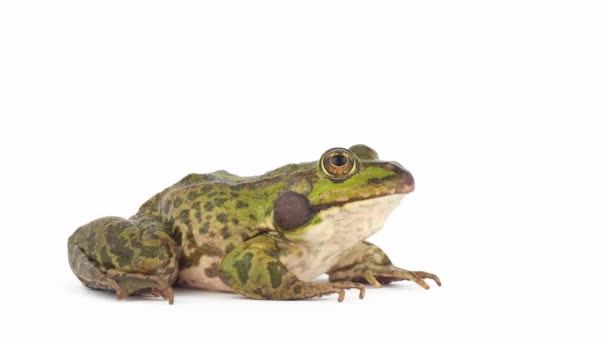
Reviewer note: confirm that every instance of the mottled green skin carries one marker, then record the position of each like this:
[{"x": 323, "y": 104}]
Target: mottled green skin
[{"x": 227, "y": 222}]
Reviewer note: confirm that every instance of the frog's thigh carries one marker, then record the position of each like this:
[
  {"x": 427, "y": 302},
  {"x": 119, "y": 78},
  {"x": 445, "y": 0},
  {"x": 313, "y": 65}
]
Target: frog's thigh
[
  {"x": 254, "y": 270},
  {"x": 122, "y": 255}
]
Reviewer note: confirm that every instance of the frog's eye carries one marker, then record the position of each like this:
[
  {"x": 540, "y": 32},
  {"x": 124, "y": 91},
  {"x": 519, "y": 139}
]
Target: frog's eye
[{"x": 338, "y": 163}]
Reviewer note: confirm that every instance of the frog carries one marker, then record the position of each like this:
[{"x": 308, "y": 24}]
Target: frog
[{"x": 264, "y": 237}]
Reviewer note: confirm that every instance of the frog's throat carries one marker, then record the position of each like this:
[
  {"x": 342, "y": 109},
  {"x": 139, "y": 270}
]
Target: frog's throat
[
  {"x": 340, "y": 228},
  {"x": 353, "y": 221}
]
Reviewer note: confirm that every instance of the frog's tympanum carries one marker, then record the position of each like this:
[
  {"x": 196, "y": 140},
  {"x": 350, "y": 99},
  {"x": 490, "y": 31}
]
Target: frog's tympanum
[{"x": 266, "y": 237}]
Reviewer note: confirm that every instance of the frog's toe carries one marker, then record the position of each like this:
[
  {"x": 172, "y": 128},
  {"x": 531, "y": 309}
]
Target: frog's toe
[
  {"x": 396, "y": 274},
  {"x": 120, "y": 293},
  {"x": 371, "y": 279},
  {"x": 340, "y": 286},
  {"x": 426, "y": 275},
  {"x": 166, "y": 293}
]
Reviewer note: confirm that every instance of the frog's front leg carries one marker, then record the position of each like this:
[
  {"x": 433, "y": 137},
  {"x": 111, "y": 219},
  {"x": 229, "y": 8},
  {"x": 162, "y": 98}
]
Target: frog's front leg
[
  {"x": 367, "y": 263},
  {"x": 135, "y": 256},
  {"x": 254, "y": 270}
]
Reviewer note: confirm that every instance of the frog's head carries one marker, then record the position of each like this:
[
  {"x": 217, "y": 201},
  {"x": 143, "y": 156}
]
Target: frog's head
[{"x": 343, "y": 198}]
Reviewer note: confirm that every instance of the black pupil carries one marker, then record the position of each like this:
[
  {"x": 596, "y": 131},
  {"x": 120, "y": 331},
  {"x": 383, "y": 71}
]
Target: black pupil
[{"x": 338, "y": 160}]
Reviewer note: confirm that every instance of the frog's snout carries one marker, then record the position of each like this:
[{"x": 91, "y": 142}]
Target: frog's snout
[
  {"x": 408, "y": 179},
  {"x": 404, "y": 179}
]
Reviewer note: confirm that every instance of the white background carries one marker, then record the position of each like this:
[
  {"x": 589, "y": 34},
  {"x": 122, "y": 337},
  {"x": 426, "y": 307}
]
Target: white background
[{"x": 497, "y": 108}]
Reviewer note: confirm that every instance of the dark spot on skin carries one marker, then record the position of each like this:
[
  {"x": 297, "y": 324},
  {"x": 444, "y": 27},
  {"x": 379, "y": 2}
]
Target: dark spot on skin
[
  {"x": 225, "y": 277},
  {"x": 184, "y": 215},
  {"x": 124, "y": 260},
  {"x": 235, "y": 221},
  {"x": 204, "y": 229},
  {"x": 153, "y": 251},
  {"x": 240, "y": 204},
  {"x": 221, "y": 218},
  {"x": 177, "y": 202},
  {"x": 274, "y": 253},
  {"x": 212, "y": 234},
  {"x": 229, "y": 247},
  {"x": 209, "y": 206},
  {"x": 195, "y": 257},
  {"x": 178, "y": 236},
  {"x": 190, "y": 238},
  {"x": 292, "y": 210},
  {"x": 106, "y": 260},
  {"x": 196, "y": 206},
  {"x": 297, "y": 289},
  {"x": 212, "y": 271},
  {"x": 276, "y": 271},
  {"x": 225, "y": 233},
  {"x": 243, "y": 266},
  {"x": 219, "y": 201},
  {"x": 192, "y": 195},
  {"x": 166, "y": 207}
]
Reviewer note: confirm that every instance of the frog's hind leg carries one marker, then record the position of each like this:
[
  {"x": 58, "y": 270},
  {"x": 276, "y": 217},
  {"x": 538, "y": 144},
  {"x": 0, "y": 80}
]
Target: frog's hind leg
[{"x": 126, "y": 256}]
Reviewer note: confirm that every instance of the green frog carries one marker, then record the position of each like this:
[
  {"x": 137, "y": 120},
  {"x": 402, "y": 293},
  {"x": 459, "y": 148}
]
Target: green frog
[{"x": 266, "y": 237}]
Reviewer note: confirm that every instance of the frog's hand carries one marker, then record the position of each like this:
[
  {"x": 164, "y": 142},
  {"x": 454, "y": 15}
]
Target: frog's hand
[
  {"x": 367, "y": 263},
  {"x": 254, "y": 270},
  {"x": 127, "y": 256}
]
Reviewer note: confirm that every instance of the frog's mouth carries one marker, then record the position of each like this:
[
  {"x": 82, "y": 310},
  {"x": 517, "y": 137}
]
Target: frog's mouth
[{"x": 324, "y": 206}]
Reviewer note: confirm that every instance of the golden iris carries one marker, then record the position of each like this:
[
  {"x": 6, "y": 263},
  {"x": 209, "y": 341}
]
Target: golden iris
[{"x": 338, "y": 163}]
